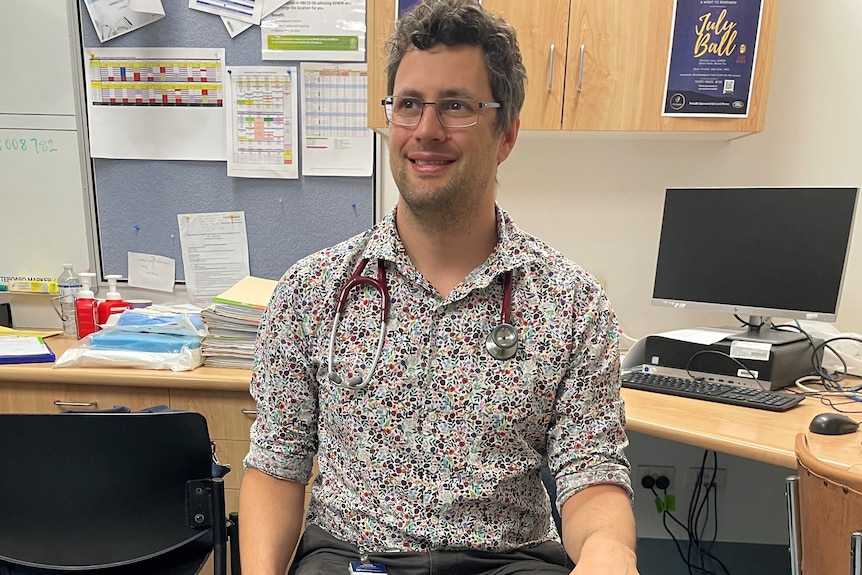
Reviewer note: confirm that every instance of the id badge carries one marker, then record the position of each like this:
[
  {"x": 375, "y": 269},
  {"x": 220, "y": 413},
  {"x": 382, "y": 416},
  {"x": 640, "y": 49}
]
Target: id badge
[{"x": 361, "y": 567}]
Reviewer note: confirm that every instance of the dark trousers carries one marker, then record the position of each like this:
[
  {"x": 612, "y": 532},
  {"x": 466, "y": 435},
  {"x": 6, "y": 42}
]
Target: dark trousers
[{"x": 319, "y": 553}]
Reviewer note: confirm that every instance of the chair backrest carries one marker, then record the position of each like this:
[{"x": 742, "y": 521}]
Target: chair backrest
[
  {"x": 830, "y": 510},
  {"x": 104, "y": 490}
]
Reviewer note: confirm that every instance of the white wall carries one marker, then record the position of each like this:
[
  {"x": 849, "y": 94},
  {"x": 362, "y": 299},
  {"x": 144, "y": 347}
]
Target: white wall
[{"x": 599, "y": 201}]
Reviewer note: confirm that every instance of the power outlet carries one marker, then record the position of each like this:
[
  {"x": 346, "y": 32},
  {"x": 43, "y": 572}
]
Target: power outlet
[
  {"x": 708, "y": 473},
  {"x": 654, "y": 471}
]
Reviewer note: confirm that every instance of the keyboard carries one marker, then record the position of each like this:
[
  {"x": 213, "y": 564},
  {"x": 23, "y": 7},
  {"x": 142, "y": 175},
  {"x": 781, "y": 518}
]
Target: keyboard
[{"x": 707, "y": 391}]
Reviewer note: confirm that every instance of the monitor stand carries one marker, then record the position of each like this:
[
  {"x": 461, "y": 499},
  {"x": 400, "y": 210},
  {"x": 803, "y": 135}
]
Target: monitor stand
[{"x": 763, "y": 334}]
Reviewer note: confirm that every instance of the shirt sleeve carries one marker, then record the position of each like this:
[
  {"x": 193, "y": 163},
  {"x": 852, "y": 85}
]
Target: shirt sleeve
[
  {"x": 588, "y": 440},
  {"x": 284, "y": 433}
]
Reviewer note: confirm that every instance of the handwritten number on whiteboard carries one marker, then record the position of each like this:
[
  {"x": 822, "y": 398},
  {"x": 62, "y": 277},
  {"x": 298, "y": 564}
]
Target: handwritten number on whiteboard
[{"x": 24, "y": 145}]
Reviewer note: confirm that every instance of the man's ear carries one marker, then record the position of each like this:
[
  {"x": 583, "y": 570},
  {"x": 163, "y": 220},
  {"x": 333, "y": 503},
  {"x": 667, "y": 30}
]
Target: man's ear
[{"x": 507, "y": 141}]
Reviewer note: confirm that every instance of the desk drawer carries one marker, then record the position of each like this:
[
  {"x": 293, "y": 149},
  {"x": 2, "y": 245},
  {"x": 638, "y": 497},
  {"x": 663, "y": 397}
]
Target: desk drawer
[
  {"x": 229, "y": 413},
  {"x": 53, "y": 398}
]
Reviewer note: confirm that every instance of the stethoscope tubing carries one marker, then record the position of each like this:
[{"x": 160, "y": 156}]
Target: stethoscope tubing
[
  {"x": 501, "y": 343},
  {"x": 379, "y": 284}
]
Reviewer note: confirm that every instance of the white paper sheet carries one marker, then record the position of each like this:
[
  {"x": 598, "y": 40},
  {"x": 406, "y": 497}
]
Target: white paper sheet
[
  {"x": 702, "y": 335},
  {"x": 243, "y": 10},
  {"x": 315, "y": 30},
  {"x": 336, "y": 139},
  {"x": 262, "y": 135},
  {"x": 215, "y": 253},
  {"x": 236, "y": 27},
  {"x": 112, "y": 18},
  {"x": 156, "y": 103},
  {"x": 150, "y": 271}
]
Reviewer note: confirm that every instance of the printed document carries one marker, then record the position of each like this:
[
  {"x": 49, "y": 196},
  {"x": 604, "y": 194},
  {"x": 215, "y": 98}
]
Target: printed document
[{"x": 215, "y": 253}]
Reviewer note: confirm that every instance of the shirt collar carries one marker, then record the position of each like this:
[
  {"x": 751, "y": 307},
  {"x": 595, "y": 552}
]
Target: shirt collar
[{"x": 512, "y": 250}]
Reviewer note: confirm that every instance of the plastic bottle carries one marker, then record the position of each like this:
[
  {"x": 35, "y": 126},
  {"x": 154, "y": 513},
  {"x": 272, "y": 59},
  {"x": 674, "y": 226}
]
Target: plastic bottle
[
  {"x": 68, "y": 284},
  {"x": 86, "y": 307},
  {"x": 113, "y": 301}
]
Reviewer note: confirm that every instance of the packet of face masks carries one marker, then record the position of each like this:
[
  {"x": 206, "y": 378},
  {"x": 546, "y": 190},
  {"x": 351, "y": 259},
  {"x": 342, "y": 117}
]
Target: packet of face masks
[
  {"x": 172, "y": 320},
  {"x": 115, "y": 348}
]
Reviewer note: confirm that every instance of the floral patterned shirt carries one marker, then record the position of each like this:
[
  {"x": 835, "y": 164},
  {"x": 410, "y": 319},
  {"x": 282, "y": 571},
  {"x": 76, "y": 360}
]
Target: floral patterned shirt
[{"x": 443, "y": 449}]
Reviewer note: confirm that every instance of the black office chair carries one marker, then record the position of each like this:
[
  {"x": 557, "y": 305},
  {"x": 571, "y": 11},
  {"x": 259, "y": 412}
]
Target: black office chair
[{"x": 129, "y": 494}]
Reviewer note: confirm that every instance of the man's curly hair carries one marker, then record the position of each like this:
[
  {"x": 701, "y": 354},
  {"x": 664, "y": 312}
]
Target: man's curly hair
[{"x": 464, "y": 22}]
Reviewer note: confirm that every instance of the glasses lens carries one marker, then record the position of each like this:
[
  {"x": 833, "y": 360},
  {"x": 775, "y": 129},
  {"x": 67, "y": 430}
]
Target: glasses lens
[
  {"x": 404, "y": 111},
  {"x": 457, "y": 112}
]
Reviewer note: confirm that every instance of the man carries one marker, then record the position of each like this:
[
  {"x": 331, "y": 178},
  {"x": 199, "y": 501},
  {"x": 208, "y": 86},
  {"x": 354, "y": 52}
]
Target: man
[{"x": 430, "y": 435}]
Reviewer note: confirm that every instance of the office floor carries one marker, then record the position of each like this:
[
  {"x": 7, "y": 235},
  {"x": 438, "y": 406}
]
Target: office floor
[{"x": 660, "y": 557}]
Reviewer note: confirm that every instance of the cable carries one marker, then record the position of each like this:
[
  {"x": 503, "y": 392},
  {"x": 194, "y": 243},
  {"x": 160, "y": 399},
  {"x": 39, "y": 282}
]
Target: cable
[
  {"x": 721, "y": 353},
  {"x": 696, "y": 555}
]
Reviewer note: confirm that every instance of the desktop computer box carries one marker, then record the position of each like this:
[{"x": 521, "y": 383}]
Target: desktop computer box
[{"x": 730, "y": 361}]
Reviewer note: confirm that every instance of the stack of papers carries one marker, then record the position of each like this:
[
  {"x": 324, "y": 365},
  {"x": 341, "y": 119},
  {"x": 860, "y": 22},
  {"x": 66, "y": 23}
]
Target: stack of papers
[{"x": 232, "y": 321}]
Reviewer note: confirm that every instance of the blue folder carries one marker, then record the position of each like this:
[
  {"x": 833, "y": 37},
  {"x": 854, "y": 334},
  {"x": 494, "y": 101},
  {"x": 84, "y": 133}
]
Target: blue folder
[{"x": 13, "y": 349}]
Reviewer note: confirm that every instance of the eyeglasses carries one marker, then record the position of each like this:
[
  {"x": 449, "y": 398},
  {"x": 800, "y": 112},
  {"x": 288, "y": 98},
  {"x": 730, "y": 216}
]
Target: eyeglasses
[{"x": 452, "y": 112}]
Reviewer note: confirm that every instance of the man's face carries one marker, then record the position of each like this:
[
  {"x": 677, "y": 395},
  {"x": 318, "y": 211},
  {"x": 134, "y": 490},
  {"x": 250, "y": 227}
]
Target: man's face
[{"x": 440, "y": 171}]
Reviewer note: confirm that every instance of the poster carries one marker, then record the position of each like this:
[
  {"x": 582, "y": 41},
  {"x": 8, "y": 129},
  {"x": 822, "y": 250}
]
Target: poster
[
  {"x": 315, "y": 30},
  {"x": 711, "y": 58}
]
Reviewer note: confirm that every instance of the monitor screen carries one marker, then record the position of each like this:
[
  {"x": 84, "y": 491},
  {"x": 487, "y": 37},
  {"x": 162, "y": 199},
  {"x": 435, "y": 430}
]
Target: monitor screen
[{"x": 770, "y": 252}]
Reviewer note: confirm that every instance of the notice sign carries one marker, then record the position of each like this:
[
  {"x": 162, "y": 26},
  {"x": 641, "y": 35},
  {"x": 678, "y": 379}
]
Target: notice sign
[{"x": 713, "y": 46}]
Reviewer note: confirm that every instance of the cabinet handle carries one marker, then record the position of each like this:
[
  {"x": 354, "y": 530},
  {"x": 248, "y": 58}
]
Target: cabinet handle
[
  {"x": 59, "y": 403},
  {"x": 581, "y": 68},
  {"x": 249, "y": 412},
  {"x": 551, "y": 69}
]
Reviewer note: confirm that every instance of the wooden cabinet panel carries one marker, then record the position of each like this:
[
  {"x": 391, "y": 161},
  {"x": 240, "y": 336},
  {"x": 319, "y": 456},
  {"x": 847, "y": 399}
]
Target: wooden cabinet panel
[
  {"x": 232, "y": 452},
  {"x": 53, "y": 398},
  {"x": 229, "y": 414},
  {"x": 542, "y": 38},
  {"x": 381, "y": 22},
  {"x": 618, "y": 83}
]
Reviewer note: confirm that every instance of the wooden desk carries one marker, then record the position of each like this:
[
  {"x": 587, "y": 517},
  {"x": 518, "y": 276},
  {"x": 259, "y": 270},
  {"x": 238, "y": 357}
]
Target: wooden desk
[{"x": 750, "y": 433}]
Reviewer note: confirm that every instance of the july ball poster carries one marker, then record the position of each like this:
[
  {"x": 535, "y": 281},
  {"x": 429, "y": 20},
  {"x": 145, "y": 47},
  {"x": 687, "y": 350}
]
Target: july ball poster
[{"x": 711, "y": 58}]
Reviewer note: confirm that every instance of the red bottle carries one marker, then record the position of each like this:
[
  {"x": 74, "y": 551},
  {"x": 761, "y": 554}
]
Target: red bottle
[
  {"x": 86, "y": 310},
  {"x": 113, "y": 302}
]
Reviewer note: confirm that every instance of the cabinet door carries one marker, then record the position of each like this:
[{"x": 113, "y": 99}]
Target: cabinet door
[
  {"x": 616, "y": 63},
  {"x": 53, "y": 398},
  {"x": 381, "y": 22},
  {"x": 542, "y": 29},
  {"x": 617, "y": 67}
]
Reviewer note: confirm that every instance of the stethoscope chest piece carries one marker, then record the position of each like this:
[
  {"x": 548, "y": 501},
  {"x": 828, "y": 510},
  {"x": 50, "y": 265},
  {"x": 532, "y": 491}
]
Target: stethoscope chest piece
[{"x": 502, "y": 342}]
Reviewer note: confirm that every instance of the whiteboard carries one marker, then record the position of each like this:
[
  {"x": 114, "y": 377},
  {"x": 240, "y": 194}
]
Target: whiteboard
[
  {"x": 43, "y": 191},
  {"x": 35, "y": 43},
  {"x": 44, "y": 219}
]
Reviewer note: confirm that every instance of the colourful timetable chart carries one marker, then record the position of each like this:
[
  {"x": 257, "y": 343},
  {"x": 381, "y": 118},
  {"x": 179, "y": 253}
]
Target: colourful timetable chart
[
  {"x": 262, "y": 134},
  {"x": 163, "y": 82}
]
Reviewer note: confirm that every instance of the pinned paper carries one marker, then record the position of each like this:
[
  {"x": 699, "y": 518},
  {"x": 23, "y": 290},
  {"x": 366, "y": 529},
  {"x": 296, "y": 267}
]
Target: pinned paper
[
  {"x": 111, "y": 19},
  {"x": 150, "y": 271}
]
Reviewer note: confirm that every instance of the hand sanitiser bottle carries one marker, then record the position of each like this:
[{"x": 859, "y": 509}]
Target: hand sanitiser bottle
[
  {"x": 86, "y": 307},
  {"x": 68, "y": 284},
  {"x": 113, "y": 301}
]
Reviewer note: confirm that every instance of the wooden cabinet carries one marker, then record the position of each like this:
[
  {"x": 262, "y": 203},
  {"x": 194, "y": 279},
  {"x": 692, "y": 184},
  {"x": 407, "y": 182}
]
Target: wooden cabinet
[
  {"x": 592, "y": 65},
  {"x": 54, "y": 398},
  {"x": 229, "y": 416}
]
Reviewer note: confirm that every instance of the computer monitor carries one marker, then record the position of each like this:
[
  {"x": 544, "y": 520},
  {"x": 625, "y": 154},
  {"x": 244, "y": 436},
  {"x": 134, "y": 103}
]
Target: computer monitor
[{"x": 758, "y": 252}]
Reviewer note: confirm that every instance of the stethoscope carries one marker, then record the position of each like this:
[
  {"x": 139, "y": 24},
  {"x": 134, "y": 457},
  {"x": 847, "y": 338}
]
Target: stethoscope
[{"x": 501, "y": 343}]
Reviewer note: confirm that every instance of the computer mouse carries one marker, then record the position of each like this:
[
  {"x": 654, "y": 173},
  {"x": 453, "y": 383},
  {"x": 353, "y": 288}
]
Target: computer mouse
[{"x": 832, "y": 423}]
